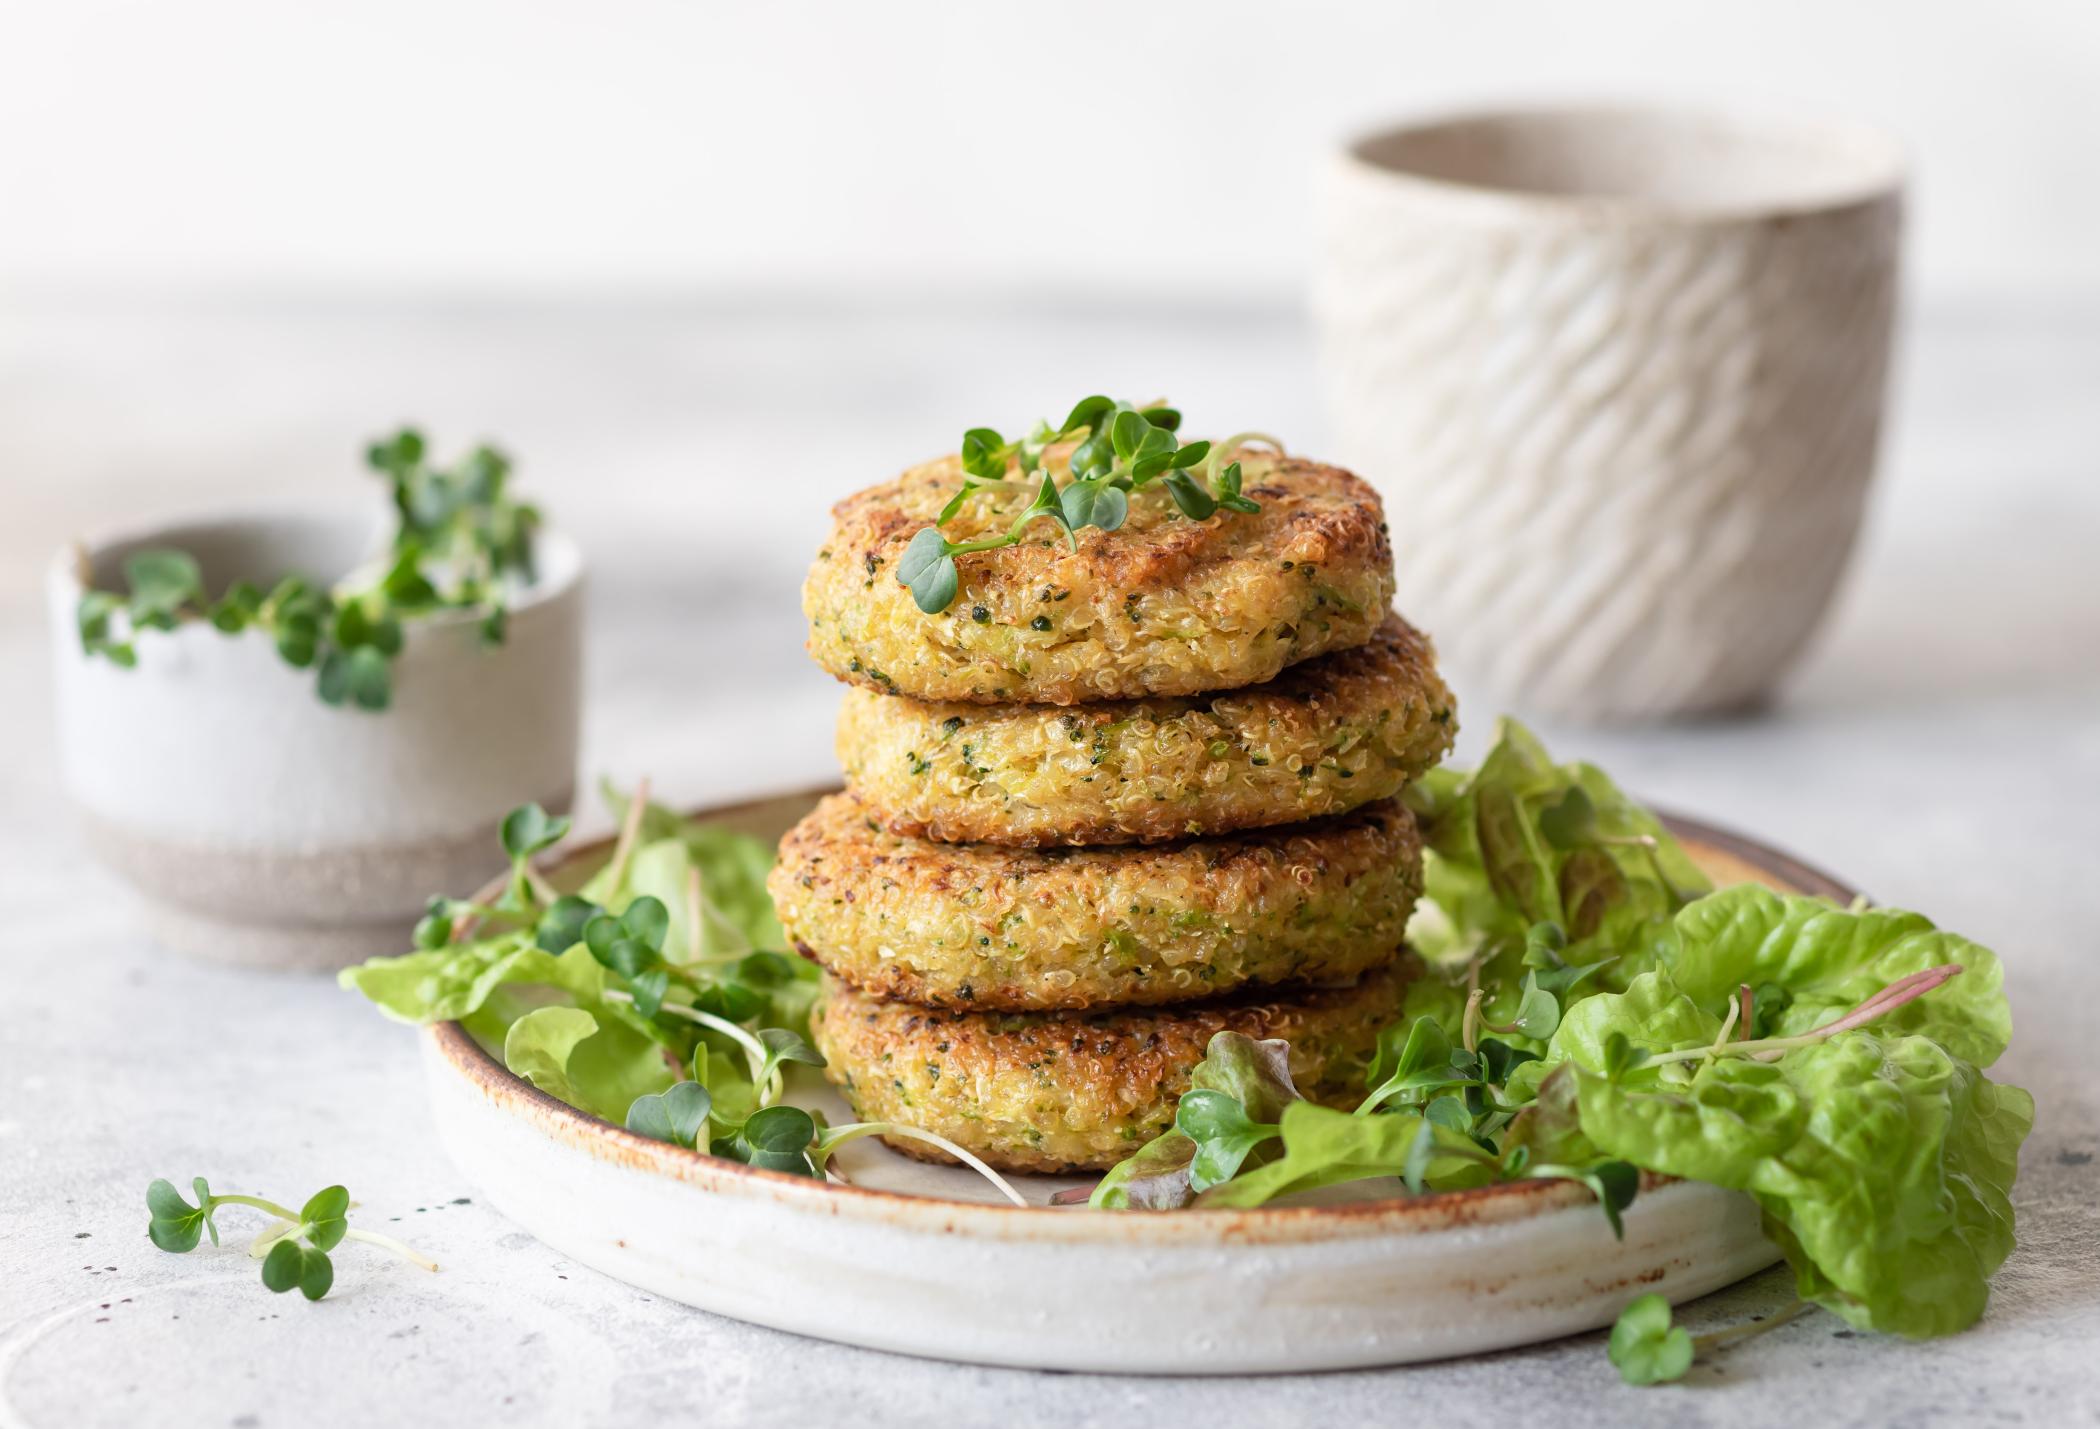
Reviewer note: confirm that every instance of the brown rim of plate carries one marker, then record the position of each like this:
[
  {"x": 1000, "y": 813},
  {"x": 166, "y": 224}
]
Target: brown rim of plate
[{"x": 1442, "y": 1210}]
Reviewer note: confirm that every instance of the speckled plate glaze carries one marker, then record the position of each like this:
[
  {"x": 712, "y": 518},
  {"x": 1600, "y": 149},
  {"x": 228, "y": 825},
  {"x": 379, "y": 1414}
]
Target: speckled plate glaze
[{"x": 926, "y": 1260}]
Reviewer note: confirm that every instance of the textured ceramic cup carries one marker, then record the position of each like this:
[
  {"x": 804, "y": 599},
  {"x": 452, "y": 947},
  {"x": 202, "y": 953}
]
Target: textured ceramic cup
[
  {"x": 1620, "y": 375},
  {"x": 267, "y": 828}
]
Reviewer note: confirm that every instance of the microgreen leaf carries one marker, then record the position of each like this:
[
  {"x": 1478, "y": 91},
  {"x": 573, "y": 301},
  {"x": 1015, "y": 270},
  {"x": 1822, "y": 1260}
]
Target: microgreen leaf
[
  {"x": 177, "y": 1225},
  {"x": 323, "y": 1217},
  {"x": 561, "y": 927},
  {"x": 1645, "y": 1346},
  {"x": 678, "y": 1115},
  {"x": 774, "y": 1138},
  {"x": 1621, "y": 1055},
  {"x": 1086, "y": 413},
  {"x": 1195, "y": 503},
  {"x": 162, "y": 582},
  {"x": 529, "y": 828},
  {"x": 1094, "y": 503},
  {"x": 784, "y": 1046},
  {"x": 984, "y": 453},
  {"x": 1613, "y": 1183},
  {"x": 928, "y": 568},
  {"x": 290, "y": 1265}
]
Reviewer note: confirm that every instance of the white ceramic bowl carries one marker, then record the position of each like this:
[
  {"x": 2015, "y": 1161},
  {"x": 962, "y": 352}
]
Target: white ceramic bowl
[
  {"x": 265, "y": 827},
  {"x": 1619, "y": 373},
  {"x": 912, "y": 1257}
]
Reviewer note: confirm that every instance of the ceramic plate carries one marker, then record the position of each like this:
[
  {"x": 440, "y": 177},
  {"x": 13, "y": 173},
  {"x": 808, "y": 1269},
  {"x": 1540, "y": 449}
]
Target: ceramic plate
[{"x": 928, "y": 1261}]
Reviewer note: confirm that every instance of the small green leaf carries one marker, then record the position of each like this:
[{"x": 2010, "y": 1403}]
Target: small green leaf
[
  {"x": 648, "y": 922},
  {"x": 1189, "y": 455},
  {"x": 333, "y": 684},
  {"x": 928, "y": 568},
  {"x": 984, "y": 453},
  {"x": 1195, "y": 503},
  {"x": 677, "y": 1115},
  {"x": 434, "y": 928},
  {"x": 1087, "y": 412},
  {"x": 162, "y": 582},
  {"x": 689, "y": 1105},
  {"x": 1224, "y": 1135},
  {"x": 1125, "y": 435},
  {"x": 1646, "y": 1347},
  {"x": 177, "y": 1225},
  {"x": 649, "y": 989},
  {"x": 529, "y": 828},
  {"x": 1538, "y": 1011},
  {"x": 561, "y": 927},
  {"x": 1094, "y": 503},
  {"x": 1229, "y": 492},
  {"x": 332, "y": 1203},
  {"x": 282, "y": 1267},
  {"x": 298, "y": 639},
  {"x": 776, "y": 1138},
  {"x": 784, "y": 1046},
  {"x": 1420, "y": 1152},
  {"x": 1621, "y": 1056},
  {"x": 369, "y": 678},
  {"x": 1571, "y": 820}
]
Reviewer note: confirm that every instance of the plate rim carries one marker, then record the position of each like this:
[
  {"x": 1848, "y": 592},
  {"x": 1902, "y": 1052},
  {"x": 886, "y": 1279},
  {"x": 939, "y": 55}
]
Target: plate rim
[{"x": 1263, "y": 1225}]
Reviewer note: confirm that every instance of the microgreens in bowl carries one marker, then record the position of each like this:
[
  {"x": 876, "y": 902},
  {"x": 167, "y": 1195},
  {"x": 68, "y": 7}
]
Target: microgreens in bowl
[
  {"x": 1119, "y": 450},
  {"x": 461, "y": 543}
]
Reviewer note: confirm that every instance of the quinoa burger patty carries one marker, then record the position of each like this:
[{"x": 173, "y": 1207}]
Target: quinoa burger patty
[
  {"x": 1078, "y": 1091},
  {"x": 1161, "y": 606},
  {"x": 1325, "y": 737},
  {"x": 982, "y": 927}
]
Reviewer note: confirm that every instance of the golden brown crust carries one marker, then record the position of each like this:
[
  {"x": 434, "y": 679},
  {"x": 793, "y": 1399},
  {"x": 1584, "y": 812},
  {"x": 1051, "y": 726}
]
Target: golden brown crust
[
  {"x": 1162, "y": 606},
  {"x": 1325, "y": 737},
  {"x": 1070, "y": 1091},
  {"x": 977, "y": 926}
]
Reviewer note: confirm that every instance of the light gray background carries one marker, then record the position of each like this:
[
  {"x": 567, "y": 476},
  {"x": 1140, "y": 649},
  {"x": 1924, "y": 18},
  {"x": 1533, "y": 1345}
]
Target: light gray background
[{"x": 1941, "y": 749}]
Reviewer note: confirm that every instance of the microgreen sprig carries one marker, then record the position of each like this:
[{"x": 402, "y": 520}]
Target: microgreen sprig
[
  {"x": 459, "y": 542},
  {"x": 293, "y": 1248},
  {"x": 1121, "y": 449},
  {"x": 1647, "y": 1347}
]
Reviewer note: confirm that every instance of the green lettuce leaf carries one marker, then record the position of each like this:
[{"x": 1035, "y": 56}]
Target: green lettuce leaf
[
  {"x": 446, "y": 984},
  {"x": 1523, "y": 841},
  {"x": 1254, "y": 1074},
  {"x": 598, "y": 1067},
  {"x": 1826, "y": 960},
  {"x": 1884, "y": 1165},
  {"x": 1324, "y": 1147}
]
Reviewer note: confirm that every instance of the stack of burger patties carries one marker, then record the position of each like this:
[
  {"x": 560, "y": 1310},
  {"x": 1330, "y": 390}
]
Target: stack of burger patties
[{"x": 1107, "y": 803}]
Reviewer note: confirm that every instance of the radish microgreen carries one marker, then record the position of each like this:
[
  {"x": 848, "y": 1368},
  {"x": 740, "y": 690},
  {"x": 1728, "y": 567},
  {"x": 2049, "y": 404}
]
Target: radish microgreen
[
  {"x": 1121, "y": 449},
  {"x": 293, "y": 1248}
]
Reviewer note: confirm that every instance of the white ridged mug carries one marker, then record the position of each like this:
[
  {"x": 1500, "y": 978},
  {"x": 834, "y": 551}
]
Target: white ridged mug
[{"x": 1620, "y": 375}]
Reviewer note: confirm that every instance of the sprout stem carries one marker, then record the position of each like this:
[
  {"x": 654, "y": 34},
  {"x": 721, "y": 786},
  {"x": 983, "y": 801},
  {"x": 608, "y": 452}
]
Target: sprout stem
[
  {"x": 630, "y": 831},
  {"x": 1767, "y": 1049},
  {"x": 1736, "y": 1334},
  {"x": 387, "y": 1242},
  {"x": 282, "y": 1213},
  {"x": 839, "y": 1136},
  {"x": 275, "y": 1231}
]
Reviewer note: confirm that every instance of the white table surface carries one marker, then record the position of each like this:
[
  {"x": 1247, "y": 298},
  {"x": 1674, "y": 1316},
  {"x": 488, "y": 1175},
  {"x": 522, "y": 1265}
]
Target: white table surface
[{"x": 1941, "y": 749}]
